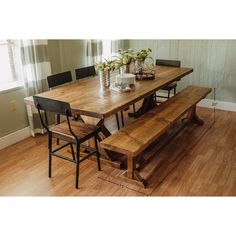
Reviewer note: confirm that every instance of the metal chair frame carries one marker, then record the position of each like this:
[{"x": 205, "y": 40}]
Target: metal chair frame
[
  {"x": 56, "y": 80},
  {"x": 59, "y": 79},
  {"x": 62, "y": 108},
  {"x": 85, "y": 72},
  {"x": 173, "y": 63}
]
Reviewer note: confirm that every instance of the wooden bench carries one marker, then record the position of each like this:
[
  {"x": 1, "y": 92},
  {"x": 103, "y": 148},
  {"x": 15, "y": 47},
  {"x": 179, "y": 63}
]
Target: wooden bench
[{"x": 138, "y": 135}]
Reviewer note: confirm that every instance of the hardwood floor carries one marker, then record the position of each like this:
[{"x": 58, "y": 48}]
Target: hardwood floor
[{"x": 200, "y": 161}]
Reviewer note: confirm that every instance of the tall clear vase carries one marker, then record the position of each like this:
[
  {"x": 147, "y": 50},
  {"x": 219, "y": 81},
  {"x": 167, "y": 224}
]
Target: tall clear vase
[
  {"x": 129, "y": 68},
  {"x": 139, "y": 65},
  {"x": 122, "y": 70}
]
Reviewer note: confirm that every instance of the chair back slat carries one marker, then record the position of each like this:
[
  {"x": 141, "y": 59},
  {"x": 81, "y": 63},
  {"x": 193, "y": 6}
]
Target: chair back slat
[
  {"x": 51, "y": 105},
  {"x": 85, "y": 72},
  {"x": 59, "y": 79},
  {"x": 162, "y": 62}
]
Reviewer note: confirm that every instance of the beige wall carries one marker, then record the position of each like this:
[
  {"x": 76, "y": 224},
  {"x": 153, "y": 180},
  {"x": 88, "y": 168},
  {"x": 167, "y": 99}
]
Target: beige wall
[
  {"x": 11, "y": 121},
  {"x": 73, "y": 55},
  {"x": 55, "y": 55}
]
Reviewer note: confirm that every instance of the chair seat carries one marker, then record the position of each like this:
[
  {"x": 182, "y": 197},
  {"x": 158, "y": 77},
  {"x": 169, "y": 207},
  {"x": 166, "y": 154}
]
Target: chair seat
[
  {"x": 82, "y": 131},
  {"x": 170, "y": 86}
]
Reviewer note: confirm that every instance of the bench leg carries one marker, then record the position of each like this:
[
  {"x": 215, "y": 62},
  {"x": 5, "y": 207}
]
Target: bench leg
[
  {"x": 192, "y": 115},
  {"x": 131, "y": 175},
  {"x": 130, "y": 167}
]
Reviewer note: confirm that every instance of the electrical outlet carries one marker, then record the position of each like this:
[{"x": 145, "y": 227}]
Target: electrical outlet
[{"x": 13, "y": 105}]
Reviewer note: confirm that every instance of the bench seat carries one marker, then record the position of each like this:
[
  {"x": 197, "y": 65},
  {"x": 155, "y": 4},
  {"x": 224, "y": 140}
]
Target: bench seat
[
  {"x": 132, "y": 139},
  {"x": 136, "y": 136}
]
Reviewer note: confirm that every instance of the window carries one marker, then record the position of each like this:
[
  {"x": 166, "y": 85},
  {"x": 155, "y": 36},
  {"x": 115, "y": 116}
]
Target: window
[
  {"x": 8, "y": 78},
  {"x": 109, "y": 48},
  {"x": 106, "y": 48}
]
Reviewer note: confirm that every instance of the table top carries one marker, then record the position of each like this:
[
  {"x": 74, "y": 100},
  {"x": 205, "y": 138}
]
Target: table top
[{"x": 86, "y": 97}]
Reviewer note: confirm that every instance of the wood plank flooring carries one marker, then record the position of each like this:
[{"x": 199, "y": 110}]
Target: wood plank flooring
[{"x": 201, "y": 161}]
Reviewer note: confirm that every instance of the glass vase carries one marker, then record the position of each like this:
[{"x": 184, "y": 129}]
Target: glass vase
[
  {"x": 145, "y": 69},
  {"x": 129, "y": 68},
  {"x": 139, "y": 65},
  {"x": 122, "y": 70}
]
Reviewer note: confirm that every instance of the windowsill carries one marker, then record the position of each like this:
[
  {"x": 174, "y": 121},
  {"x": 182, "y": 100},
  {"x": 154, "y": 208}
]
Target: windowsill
[{"x": 10, "y": 86}]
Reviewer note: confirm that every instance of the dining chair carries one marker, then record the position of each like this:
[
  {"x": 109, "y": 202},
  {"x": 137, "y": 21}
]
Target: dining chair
[
  {"x": 59, "y": 79},
  {"x": 85, "y": 72},
  {"x": 56, "y": 80},
  {"x": 90, "y": 71},
  {"x": 70, "y": 131},
  {"x": 172, "y": 86}
]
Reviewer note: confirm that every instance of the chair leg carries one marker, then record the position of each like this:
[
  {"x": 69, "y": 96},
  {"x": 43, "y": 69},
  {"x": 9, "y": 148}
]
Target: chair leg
[
  {"x": 46, "y": 117},
  {"x": 58, "y": 119},
  {"x": 122, "y": 118},
  {"x": 72, "y": 151},
  {"x": 117, "y": 121},
  {"x": 175, "y": 91},
  {"x": 168, "y": 93},
  {"x": 134, "y": 110},
  {"x": 98, "y": 154},
  {"x": 49, "y": 156},
  {"x": 77, "y": 165},
  {"x": 58, "y": 122}
]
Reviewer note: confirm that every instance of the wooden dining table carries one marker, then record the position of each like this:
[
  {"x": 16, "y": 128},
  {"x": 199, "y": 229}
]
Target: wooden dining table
[{"x": 94, "y": 104}]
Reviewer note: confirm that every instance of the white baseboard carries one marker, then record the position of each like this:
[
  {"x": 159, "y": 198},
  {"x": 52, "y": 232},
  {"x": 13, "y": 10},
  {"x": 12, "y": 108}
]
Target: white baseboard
[
  {"x": 226, "y": 106},
  {"x": 210, "y": 103},
  {"x": 14, "y": 137}
]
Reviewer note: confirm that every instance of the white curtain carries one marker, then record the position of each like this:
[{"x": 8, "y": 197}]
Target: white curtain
[
  {"x": 10, "y": 45},
  {"x": 93, "y": 51},
  {"x": 33, "y": 65},
  {"x": 116, "y": 45},
  {"x": 98, "y": 50}
]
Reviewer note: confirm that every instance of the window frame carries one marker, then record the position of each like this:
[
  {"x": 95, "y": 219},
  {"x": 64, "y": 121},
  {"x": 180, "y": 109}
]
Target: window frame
[{"x": 14, "y": 82}]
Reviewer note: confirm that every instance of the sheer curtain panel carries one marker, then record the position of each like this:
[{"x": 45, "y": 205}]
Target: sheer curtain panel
[{"x": 34, "y": 65}]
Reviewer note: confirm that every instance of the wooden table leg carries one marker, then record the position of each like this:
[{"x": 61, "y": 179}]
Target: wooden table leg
[{"x": 192, "y": 115}]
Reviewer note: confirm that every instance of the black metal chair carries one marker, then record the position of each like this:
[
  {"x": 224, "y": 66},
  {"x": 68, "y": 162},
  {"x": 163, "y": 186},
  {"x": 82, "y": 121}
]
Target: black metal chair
[
  {"x": 90, "y": 71},
  {"x": 70, "y": 131},
  {"x": 59, "y": 79},
  {"x": 85, "y": 72},
  {"x": 172, "y": 86}
]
